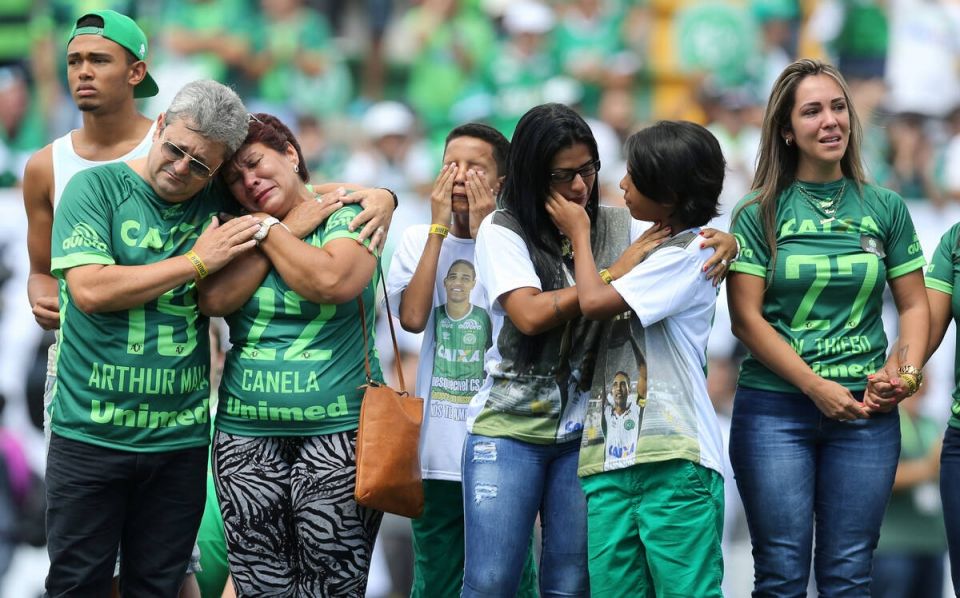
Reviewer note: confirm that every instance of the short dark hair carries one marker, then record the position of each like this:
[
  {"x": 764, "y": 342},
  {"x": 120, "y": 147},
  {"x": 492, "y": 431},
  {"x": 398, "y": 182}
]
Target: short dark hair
[
  {"x": 466, "y": 263},
  {"x": 97, "y": 21},
  {"x": 499, "y": 143},
  {"x": 679, "y": 163},
  {"x": 270, "y": 131}
]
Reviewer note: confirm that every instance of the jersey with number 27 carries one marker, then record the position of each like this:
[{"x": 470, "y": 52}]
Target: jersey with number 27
[
  {"x": 825, "y": 294},
  {"x": 943, "y": 275},
  {"x": 134, "y": 379}
]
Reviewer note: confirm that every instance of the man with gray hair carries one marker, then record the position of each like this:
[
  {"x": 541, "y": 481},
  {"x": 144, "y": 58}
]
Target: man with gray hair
[{"x": 127, "y": 460}]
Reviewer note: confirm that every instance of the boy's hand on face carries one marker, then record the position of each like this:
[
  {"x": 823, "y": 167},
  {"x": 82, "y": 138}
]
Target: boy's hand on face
[
  {"x": 480, "y": 199},
  {"x": 441, "y": 196}
]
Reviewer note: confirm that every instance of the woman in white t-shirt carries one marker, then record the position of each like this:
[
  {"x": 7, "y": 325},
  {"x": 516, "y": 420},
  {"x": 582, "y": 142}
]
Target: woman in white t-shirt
[{"x": 524, "y": 425}]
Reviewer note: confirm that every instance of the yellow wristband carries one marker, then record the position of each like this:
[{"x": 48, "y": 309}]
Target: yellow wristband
[
  {"x": 198, "y": 264},
  {"x": 605, "y": 276},
  {"x": 439, "y": 229}
]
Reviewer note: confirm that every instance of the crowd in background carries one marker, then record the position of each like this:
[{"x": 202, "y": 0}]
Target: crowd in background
[{"x": 374, "y": 86}]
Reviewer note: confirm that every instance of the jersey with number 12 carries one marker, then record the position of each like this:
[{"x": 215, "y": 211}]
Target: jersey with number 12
[
  {"x": 295, "y": 367},
  {"x": 825, "y": 294}
]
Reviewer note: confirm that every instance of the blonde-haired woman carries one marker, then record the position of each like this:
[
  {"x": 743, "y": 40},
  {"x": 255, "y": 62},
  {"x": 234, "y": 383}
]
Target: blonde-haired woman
[{"x": 814, "y": 450}]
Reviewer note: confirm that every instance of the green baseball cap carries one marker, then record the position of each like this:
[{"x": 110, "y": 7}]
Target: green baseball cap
[{"x": 124, "y": 31}]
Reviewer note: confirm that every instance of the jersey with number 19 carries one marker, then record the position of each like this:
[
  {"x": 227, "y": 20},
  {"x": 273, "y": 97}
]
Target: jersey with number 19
[
  {"x": 295, "y": 367},
  {"x": 825, "y": 288},
  {"x": 135, "y": 379}
]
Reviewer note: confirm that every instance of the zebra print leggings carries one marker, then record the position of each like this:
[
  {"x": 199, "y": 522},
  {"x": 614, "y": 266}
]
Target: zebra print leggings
[{"x": 293, "y": 527}]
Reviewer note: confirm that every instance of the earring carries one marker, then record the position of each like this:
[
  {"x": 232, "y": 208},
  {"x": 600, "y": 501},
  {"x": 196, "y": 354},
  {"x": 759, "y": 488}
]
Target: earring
[
  {"x": 788, "y": 141},
  {"x": 296, "y": 168}
]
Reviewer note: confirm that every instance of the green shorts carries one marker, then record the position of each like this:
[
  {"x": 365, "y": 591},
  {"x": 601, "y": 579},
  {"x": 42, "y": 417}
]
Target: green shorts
[
  {"x": 655, "y": 528},
  {"x": 438, "y": 545}
]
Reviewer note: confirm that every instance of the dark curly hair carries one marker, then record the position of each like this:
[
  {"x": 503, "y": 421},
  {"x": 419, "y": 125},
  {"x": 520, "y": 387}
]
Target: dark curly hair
[{"x": 270, "y": 131}]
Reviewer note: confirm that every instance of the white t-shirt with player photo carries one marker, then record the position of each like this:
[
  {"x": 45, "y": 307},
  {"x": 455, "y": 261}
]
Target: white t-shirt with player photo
[
  {"x": 450, "y": 370},
  {"x": 672, "y": 304}
]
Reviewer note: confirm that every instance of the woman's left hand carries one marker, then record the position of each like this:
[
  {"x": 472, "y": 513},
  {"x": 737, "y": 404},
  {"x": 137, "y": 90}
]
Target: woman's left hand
[
  {"x": 726, "y": 252},
  {"x": 306, "y": 216},
  {"x": 569, "y": 217},
  {"x": 375, "y": 218}
]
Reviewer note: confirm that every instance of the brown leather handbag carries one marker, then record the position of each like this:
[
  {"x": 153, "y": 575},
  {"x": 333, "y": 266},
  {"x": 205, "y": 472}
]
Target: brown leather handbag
[{"x": 388, "y": 461}]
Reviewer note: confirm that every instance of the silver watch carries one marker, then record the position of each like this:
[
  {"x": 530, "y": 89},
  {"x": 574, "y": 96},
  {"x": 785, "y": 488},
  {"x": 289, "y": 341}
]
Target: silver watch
[{"x": 261, "y": 234}]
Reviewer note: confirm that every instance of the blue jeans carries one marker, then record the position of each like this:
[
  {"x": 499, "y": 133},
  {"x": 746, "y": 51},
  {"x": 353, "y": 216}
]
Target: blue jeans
[
  {"x": 506, "y": 483},
  {"x": 949, "y": 489},
  {"x": 796, "y": 470},
  {"x": 904, "y": 575}
]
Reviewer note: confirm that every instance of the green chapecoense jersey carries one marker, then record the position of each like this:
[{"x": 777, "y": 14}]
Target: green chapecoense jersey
[
  {"x": 825, "y": 294},
  {"x": 295, "y": 367},
  {"x": 943, "y": 275},
  {"x": 135, "y": 379},
  {"x": 458, "y": 361}
]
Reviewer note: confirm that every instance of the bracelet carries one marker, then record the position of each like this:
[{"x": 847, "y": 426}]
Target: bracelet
[
  {"x": 396, "y": 200},
  {"x": 911, "y": 382},
  {"x": 198, "y": 264},
  {"x": 912, "y": 376},
  {"x": 605, "y": 276},
  {"x": 439, "y": 229}
]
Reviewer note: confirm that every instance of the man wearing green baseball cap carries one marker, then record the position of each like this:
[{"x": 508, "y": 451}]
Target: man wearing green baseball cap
[
  {"x": 105, "y": 72},
  {"x": 125, "y": 32}
]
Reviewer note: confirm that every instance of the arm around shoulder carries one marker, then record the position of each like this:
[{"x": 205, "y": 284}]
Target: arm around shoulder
[{"x": 332, "y": 274}]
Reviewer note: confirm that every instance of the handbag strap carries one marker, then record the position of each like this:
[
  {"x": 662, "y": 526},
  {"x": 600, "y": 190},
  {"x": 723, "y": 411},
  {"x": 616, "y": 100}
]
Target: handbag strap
[{"x": 393, "y": 334}]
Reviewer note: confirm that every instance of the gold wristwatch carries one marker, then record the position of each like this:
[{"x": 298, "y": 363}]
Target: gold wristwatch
[{"x": 912, "y": 375}]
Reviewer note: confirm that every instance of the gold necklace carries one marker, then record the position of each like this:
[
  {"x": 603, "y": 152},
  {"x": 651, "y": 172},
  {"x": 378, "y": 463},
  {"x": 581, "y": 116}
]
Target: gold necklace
[{"x": 825, "y": 206}]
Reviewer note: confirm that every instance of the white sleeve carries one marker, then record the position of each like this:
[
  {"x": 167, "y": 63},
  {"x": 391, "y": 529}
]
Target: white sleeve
[
  {"x": 404, "y": 262},
  {"x": 667, "y": 283},
  {"x": 503, "y": 262}
]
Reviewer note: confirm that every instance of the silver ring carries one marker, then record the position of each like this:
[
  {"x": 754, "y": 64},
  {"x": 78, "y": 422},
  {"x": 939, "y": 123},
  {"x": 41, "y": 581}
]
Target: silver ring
[
  {"x": 380, "y": 229},
  {"x": 724, "y": 262}
]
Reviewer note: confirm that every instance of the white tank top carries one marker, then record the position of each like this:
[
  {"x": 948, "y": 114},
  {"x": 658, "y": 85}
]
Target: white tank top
[{"x": 67, "y": 163}]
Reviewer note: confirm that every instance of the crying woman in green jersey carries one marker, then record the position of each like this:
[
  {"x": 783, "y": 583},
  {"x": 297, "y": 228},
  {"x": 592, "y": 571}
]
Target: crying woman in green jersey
[
  {"x": 283, "y": 452},
  {"x": 814, "y": 418}
]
